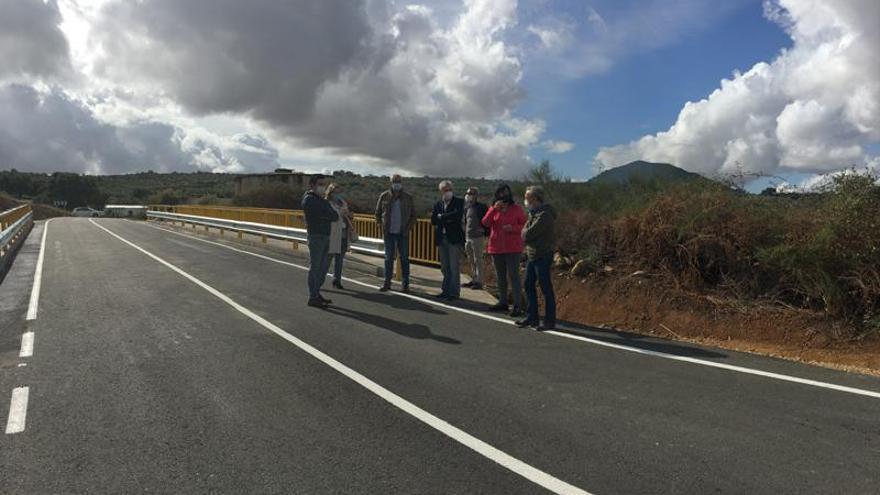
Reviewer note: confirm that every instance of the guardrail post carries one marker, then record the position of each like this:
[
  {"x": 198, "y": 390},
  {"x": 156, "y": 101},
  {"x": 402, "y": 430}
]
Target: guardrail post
[
  {"x": 263, "y": 238},
  {"x": 221, "y": 232},
  {"x": 294, "y": 245},
  {"x": 239, "y": 234}
]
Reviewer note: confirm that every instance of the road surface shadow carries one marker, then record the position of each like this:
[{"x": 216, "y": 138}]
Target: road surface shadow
[
  {"x": 391, "y": 300},
  {"x": 411, "y": 330},
  {"x": 647, "y": 343}
]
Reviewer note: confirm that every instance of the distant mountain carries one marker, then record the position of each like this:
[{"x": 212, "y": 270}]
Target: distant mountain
[{"x": 644, "y": 171}]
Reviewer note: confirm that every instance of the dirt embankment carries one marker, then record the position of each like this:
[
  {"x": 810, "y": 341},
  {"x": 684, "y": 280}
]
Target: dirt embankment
[{"x": 648, "y": 304}]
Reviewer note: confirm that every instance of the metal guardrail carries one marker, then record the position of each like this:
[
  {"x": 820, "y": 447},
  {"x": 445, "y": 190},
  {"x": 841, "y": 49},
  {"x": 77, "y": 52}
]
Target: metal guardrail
[
  {"x": 421, "y": 240},
  {"x": 14, "y": 224},
  {"x": 364, "y": 244}
]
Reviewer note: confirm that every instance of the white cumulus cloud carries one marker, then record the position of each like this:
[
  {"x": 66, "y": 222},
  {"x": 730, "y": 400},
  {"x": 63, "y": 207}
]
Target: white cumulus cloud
[
  {"x": 558, "y": 147},
  {"x": 813, "y": 109}
]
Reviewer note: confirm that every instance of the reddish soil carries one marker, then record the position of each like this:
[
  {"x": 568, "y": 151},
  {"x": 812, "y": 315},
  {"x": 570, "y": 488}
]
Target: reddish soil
[{"x": 652, "y": 306}]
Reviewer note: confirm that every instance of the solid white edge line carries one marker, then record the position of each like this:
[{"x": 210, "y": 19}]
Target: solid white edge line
[
  {"x": 17, "y": 411},
  {"x": 27, "y": 345},
  {"x": 730, "y": 367},
  {"x": 646, "y": 352},
  {"x": 515, "y": 465},
  {"x": 38, "y": 276}
]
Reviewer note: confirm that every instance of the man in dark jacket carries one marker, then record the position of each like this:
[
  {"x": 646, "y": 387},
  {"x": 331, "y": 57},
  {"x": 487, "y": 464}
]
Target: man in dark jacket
[
  {"x": 396, "y": 216},
  {"x": 319, "y": 215},
  {"x": 475, "y": 235},
  {"x": 449, "y": 235},
  {"x": 540, "y": 240}
]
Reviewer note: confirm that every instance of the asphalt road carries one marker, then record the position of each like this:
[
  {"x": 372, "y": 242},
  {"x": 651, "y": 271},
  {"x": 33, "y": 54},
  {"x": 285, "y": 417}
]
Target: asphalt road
[{"x": 206, "y": 372}]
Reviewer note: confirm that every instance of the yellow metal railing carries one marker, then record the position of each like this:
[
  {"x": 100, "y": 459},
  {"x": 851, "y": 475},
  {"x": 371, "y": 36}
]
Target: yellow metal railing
[
  {"x": 421, "y": 239},
  {"x": 9, "y": 241},
  {"x": 11, "y": 216}
]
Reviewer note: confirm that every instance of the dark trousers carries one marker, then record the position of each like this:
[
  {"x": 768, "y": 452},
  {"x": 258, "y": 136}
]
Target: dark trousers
[
  {"x": 396, "y": 243},
  {"x": 450, "y": 266},
  {"x": 538, "y": 271},
  {"x": 338, "y": 258},
  {"x": 319, "y": 262},
  {"x": 507, "y": 269}
]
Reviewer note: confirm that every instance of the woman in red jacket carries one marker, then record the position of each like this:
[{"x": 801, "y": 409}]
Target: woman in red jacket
[{"x": 506, "y": 219}]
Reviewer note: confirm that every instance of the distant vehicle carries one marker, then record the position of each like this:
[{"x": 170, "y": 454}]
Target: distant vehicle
[{"x": 85, "y": 211}]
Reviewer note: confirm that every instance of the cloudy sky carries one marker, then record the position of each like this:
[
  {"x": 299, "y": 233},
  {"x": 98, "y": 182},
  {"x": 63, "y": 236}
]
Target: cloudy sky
[{"x": 442, "y": 87}]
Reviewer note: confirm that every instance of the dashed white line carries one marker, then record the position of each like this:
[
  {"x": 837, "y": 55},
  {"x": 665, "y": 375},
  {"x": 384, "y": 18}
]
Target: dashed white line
[
  {"x": 27, "y": 345},
  {"x": 515, "y": 465},
  {"x": 17, "y": 411},
  {"x": 38, "y": 276},
  {"x": 602, "y": 343}
]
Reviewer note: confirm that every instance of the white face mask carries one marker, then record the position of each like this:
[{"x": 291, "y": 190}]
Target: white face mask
[
  {"x": 396, "y": 186},
  {"x": 526, "y": 204},
  {"x": 447, "y": 196},
  {"x": 469, "y": 198},
  {"x": 319, "y": 190}
]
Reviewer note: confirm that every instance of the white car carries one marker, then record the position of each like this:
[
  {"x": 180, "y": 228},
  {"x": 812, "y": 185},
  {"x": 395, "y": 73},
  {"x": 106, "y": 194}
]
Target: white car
[{"x": 85, "y": 211}]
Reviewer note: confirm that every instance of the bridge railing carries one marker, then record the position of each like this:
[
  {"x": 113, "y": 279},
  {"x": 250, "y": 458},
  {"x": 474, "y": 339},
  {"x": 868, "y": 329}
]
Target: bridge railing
[
  {"x": 14, "y": 225},
  {"x": 421, "y": 239}
]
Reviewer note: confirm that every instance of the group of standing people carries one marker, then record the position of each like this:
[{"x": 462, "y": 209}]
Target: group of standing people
[{"x": 463, "y": 228}]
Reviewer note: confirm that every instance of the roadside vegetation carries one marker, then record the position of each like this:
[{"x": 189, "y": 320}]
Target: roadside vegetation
[{"x": 818, "y": 252}]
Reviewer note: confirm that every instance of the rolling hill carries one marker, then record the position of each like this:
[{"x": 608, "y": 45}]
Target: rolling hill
[{"x": 642, "y": 171}]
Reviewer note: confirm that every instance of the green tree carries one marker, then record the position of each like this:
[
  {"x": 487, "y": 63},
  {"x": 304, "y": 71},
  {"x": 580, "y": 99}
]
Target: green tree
[{"x": 77, "y": 190}]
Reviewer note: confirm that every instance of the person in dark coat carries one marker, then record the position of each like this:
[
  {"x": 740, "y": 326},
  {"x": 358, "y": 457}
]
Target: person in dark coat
[
  {"x": 319, "y": 215},
  {"x": 449, "y": 235},
  {"x": 540, "y": 240}
]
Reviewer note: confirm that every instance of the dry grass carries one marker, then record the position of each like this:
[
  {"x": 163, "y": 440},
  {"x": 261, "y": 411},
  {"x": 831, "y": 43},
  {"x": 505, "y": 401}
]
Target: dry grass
[{"x": 819, "y": 252}]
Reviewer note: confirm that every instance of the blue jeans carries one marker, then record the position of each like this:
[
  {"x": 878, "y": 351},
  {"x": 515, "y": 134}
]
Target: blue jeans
[
  {"x": 395, "y": 243},
  {"x": 338, "y": 258},
  {"x": 450, "y": 266},
  {"x": 319, "y": 262},
  {"x": 538, "y": 271}
]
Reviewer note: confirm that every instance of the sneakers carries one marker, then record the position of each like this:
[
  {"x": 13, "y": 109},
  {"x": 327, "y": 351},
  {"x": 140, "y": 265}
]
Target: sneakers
[
  {"x": 546, "y": 326},
  {"x": 338, "y": 284},
  {"x": 324, "y": 300},
  {"x": 385, "y": 288},
  {"x": 527, "y": 323},
  {"x": 477, "y": 286},
  {"x": 515, "y": 313},
  {"x": 468, "y": 284},
  {"x": 405, "y": 289}
]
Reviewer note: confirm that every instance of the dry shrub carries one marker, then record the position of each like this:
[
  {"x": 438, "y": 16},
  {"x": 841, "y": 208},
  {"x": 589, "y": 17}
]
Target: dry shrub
[{"x": 817, "y": 251}]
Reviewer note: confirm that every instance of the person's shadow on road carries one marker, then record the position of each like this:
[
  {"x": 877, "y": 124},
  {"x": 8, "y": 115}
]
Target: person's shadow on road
[
  {"x": 411, "y": 330},
  {"x": 392, "y": 300}
]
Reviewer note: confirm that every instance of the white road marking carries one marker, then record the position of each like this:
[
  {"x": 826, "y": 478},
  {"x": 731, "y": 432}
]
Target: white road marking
[
  {"x": 646, "y": 352},
  {"x": 27, "y": 345},
  {"x": 519, "y": 467},
  {"x": 17, "y": 411},
  {"x": 38, "y": 275}
]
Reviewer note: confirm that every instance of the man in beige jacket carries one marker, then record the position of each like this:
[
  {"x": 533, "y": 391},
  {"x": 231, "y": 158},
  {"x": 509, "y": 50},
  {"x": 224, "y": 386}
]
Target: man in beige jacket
[{"x": 396, "y": 216}]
